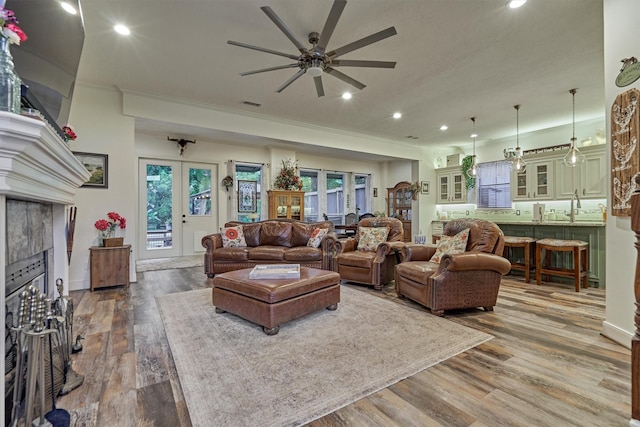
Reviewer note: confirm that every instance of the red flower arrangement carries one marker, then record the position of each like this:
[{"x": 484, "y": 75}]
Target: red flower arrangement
[
  {"x": 108, "y": 226},
  {"x": 69, "y": 133},
  {"x": 9, "y": 27}
]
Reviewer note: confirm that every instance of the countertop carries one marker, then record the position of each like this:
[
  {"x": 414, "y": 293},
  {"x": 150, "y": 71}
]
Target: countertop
[{"x": 546, "y": 223}]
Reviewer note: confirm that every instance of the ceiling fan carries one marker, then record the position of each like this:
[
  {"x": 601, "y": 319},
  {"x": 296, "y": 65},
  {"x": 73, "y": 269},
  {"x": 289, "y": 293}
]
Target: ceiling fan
[{"x": 316, "y": 60}]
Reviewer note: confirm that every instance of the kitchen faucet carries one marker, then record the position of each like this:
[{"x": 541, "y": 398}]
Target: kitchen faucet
[{"x": 572, "y": 215}]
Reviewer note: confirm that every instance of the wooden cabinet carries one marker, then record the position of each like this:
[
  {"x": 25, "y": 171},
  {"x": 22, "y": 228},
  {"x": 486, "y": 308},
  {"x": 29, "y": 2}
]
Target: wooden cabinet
[
  {"x": 400, "y": 198},
  {"x": 109, "y": 266},
  {"x": 286, "y": 204},
  {"x": 589, "y": 178},
  {"x": 450, "y": 186},
  {"x": 535, "y": 183}
]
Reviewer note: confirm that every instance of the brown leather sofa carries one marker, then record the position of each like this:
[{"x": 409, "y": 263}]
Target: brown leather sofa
[
  {"x": 370, "y": 267},
  {"x": 464, "y": 280},
  {"x": 271, "y": 241}
]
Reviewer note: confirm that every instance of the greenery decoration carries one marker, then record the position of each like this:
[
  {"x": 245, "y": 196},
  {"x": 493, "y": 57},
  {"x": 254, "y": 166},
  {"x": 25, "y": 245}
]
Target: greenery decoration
[{"x": 470, "y": 180}]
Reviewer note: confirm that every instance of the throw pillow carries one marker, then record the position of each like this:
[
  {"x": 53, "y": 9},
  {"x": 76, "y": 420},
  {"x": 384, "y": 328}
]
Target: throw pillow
[
  {"x": 232, "y": 237},
  {"x": 370, "y": 237},
  {"x": 316, "y": 237},
  {"x": 451, "y": 245}
]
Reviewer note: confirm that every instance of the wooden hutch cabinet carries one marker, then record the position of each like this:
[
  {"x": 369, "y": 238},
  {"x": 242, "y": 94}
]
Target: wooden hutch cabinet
[
  {"x": 286, "y": 204},
  {"x": 400, "y": 198},
  {"x": 109, "y": 266}
]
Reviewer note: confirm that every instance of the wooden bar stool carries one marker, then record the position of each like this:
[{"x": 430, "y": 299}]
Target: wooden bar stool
[
  {"x": 580, "y": 270},
  {"x": 511, "y": 242}
]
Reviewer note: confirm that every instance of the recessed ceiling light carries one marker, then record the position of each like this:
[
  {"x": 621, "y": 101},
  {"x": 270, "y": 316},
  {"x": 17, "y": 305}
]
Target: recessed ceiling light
[
  {"x": 473, "y": 135},
  {"x": 68, "y": 8},
  {"x": 444, "y": 127},
  {"x": 346, "y": 95},
  {"x": 121, "y": 29},
  {"x": 397, "y": 115},
  {"x": 514, "y": 4}
]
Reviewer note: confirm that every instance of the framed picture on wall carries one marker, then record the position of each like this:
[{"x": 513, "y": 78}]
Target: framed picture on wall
[
  {"x": 98, "y": 167},
  {"x": 247, "y": 196},
  {"x": 425, "y": 187}
]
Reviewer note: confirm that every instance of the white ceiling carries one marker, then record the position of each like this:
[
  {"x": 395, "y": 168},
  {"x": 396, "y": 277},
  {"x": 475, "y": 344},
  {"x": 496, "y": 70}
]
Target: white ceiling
[{"x": 455, "y": 59}]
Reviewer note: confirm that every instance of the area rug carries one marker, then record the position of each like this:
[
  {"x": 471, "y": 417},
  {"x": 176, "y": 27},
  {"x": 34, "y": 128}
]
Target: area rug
[{"x": 233, "y": 374}]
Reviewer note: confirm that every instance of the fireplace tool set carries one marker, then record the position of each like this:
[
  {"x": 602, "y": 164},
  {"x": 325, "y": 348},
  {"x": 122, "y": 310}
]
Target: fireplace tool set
[{"x": 43, "y": 329}]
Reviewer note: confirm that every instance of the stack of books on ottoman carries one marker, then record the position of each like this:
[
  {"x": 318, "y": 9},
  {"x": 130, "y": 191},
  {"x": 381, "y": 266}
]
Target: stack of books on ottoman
[{"x": 275, "y": 271}]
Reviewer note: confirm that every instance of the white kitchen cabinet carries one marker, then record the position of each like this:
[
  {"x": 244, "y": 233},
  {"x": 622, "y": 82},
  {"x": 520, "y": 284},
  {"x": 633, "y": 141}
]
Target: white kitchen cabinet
[
  {"x": 451, "y": 186},
  {"x": 589, "y": 178},
  {"x": 535, "y": 183}
]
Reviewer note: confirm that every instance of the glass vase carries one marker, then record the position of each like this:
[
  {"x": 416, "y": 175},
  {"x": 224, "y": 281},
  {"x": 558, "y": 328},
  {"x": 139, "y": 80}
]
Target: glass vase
[{"x": 9, "y": 81}]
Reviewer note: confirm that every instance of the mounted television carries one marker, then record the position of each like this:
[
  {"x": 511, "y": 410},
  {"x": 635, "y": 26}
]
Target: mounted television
[{"x": 47, "y": 62}]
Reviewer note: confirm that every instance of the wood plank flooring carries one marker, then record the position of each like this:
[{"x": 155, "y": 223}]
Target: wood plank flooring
[{"x": 547, "y": 365}]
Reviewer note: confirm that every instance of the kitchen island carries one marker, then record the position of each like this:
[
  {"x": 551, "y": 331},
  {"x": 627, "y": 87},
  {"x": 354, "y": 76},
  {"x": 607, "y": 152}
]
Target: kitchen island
[{"x": 592, "y": 232}]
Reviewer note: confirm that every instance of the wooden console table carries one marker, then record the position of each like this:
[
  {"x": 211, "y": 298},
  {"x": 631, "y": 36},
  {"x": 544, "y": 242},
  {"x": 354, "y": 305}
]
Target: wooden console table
[{"x": 109, "y": 266}]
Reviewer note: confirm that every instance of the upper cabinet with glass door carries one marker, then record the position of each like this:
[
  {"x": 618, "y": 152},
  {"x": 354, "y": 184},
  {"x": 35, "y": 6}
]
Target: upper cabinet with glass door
[
  {"x": 535, "y": 183},
  {"x": 450, "y": 186}
]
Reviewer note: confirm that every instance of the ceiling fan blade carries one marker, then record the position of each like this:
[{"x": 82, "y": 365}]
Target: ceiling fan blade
[
  {"x": 295, "y": 77},
  {"x": 319, "y": 89},
  {"x": 357, "y": 63},
  {"x": 283, "y": 27},
  {"x": 337, "y": 74},
  {"x": 280, "y": 67},
  {"x": 262, "y": 49},
  {"x": 330, "y": 24},
  {"x": 391, "y": 31}
]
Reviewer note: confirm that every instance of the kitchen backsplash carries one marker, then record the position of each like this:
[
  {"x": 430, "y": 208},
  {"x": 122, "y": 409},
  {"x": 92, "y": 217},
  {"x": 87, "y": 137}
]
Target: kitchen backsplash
[{"x": 591, "y": 210}]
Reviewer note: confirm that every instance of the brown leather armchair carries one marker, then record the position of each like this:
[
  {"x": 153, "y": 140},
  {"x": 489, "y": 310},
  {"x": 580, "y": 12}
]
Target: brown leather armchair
[
  {"x": 464, "y": 280},
  {"x": 370, "y": 267}
]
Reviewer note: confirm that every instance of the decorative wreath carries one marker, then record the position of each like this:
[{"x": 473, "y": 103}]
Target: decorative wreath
[{"x": 227, "y": 182}]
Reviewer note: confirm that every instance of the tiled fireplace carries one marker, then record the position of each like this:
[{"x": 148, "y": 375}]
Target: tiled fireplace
[{"x": 39, "y": 177}]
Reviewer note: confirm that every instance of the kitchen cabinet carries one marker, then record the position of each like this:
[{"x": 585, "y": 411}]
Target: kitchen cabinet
[
  {"x": 589, "y": 178},
  {"x": 535, "y": 183},
  {"x": 400, "y": 198},
  {"x": 286, "y": 204},
  {"x": 451, "y": 186},
  {"x": 109, "y": 266}
]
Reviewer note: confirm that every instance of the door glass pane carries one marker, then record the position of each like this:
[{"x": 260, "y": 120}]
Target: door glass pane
[
  {"x": 199, "y": 192},
  {"x": 159, "y": 206}
]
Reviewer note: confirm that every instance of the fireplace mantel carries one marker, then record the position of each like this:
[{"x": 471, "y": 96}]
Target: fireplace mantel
[{"x": 35, "y": 164}]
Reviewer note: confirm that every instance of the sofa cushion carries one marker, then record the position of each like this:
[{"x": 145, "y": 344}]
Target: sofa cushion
[
  {"x": 370, "y": 237},
  {"x": 418, "y": 271},
  {"x": 230, "y": 254},
  {"x": 302, "y": 254},
  {"x": 267, "y": 253},
  {"x": 451, "y": 245},
  {"x": 362, "y": 259},
  {"x": 252, "y": 234},
  {"x": 274, "y": 233},
  {"x": 316, "y": 237},
  {"x": 300, "y": 233},
  {"x": 232, "y": 237}
]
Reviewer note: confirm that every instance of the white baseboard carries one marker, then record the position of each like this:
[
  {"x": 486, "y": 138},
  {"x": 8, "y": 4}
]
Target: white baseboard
[{"x": 617, "y": 334}]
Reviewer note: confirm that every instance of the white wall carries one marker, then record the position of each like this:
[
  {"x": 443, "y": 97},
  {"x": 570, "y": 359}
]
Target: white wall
[
  {"x": 101, "y": 128},
  {"x": 620, "y": 41}
]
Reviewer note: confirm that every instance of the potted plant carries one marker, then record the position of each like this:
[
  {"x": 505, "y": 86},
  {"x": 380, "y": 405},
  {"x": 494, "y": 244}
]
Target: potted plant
[{"x": 470, "y": 180}]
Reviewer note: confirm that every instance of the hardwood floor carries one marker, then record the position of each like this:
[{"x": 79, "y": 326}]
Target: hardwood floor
[{"x": 546, "y": 366}]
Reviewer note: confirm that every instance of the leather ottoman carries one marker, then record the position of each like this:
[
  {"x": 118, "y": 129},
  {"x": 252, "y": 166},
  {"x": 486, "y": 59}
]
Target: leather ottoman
[{"x": 272, "y": 302}]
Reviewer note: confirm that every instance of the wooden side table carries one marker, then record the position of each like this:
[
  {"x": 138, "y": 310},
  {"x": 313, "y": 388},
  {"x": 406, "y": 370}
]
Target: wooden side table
[{"x": 109, "y": 266}]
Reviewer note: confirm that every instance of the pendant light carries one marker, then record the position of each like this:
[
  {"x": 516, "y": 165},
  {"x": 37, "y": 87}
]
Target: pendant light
[
  {"x": 474, "y": 165},
  {"x": 518, "y": 164},
  {"x": 574, "y": 157}
]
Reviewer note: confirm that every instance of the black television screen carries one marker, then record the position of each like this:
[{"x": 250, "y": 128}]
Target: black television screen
[{"x": 47, "y": 62}]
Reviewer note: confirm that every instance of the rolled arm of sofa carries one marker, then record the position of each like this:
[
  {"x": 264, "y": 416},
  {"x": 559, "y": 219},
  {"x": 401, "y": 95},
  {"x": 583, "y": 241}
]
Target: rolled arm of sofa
[
  {"x": 469, "y": 261},
  {"x": 210, "y": 242},
  {"x": 330, "y": 246}
]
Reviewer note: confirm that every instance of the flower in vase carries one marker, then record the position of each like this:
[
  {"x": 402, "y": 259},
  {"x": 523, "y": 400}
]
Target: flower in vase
[
  {"x": 69, "y": 133},
  {"x": 10, "y": 29},
  {"x": 107, "y": 227}
]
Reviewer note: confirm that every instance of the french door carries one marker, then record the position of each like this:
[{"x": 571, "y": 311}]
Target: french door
[{"x": 177, "y": 207}]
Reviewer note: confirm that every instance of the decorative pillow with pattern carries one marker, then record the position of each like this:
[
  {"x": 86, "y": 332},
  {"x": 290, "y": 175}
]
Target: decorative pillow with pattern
[
  {"x": 232, "y": 237},
  {"x": 316, "y": 237},
  {"x": 370, "y": 237},
  {"x": 451, "y": 245}
]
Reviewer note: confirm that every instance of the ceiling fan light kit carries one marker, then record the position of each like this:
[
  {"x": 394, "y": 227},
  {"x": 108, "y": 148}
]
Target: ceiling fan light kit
[{"x": 315, "y": 61}]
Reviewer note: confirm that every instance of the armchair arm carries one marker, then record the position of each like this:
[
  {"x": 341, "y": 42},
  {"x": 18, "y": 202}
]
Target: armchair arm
[
  {"x": 330, "y": 247},
  {"x": 468, "y": 261},
  {"x": 417, "y": 252},
  {"x": 346, "y": 245}
]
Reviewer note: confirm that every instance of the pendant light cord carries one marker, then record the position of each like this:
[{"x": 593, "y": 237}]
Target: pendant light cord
[
  {"x": 573, "y": 139},
  {"x": 517, "y": 107}
]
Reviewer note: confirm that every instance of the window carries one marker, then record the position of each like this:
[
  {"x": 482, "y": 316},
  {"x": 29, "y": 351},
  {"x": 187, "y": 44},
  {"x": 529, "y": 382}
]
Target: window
[
  {"x": 362, "y": 194},
  {"x": 494, "y": 184},
  {"x": 249, "y": 172},
  {"x": 310, "y": 188},
  {"x": 335, "y": 197}
]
